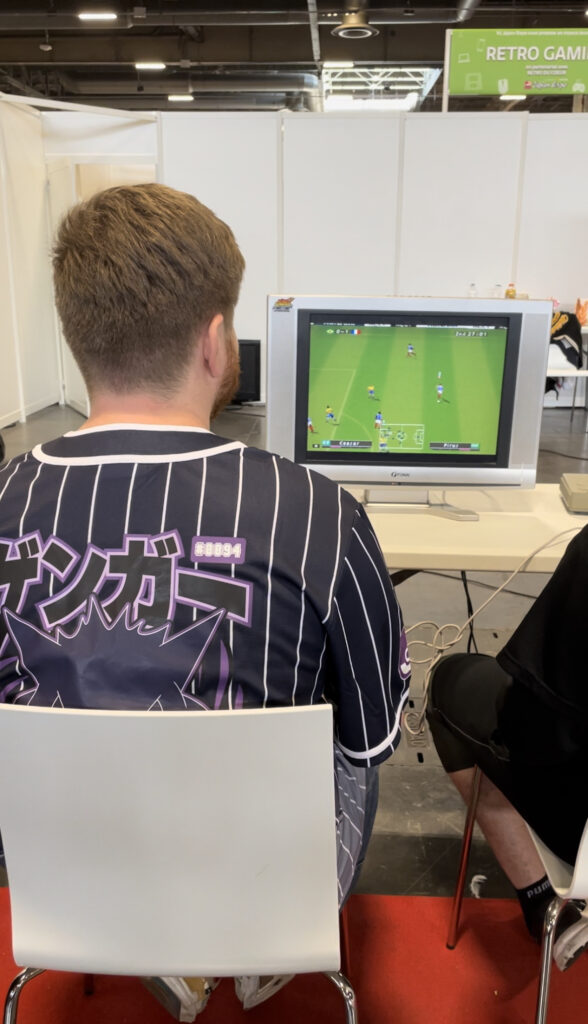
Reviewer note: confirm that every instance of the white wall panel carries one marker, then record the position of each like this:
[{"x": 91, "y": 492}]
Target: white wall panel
[
  {"x": 10, "y": 393},
  {"x": 230, "y": 163},
  {"x": 28, "y": 234},
  {"x": 554, "y": 222},
  {"x": 68, "y": 133},
  {"x": 62, "y": 195},
  {"x": 70, "y": 182},
  {"x": 340, "y": 203},
  {"x": 460, "y": 193},
  {"x": 92, "y": 178}
]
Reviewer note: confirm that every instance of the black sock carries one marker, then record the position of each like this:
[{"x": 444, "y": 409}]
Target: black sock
[{"x": 534, "y": 900}]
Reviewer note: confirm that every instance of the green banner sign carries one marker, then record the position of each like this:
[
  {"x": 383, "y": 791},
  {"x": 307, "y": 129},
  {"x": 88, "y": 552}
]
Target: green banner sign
[{"x": 535, "y": 62}]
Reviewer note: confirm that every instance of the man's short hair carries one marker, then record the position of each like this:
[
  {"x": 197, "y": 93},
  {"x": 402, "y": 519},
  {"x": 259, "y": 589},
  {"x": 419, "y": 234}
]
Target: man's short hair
[{"x": 139, "y": 271}]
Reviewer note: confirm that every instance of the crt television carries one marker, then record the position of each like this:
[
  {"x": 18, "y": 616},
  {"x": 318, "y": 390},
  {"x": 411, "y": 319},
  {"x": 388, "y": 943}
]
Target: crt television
[{"x": 429, "y": 391}]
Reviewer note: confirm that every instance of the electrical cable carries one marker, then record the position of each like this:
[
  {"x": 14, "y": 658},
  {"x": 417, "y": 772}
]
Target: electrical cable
[
  {"x": 478, "y": 583},
  {"x": 470, "y": 611},
  {"x": 414, "y": 721},
  {"x": 563, "y": 455}
]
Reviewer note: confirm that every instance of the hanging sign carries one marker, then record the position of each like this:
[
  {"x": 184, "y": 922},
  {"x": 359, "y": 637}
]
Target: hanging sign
[{"x": 534, "y": 61}]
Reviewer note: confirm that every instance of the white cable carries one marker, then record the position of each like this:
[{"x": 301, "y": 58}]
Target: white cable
[{"x": 414, "y": 721}]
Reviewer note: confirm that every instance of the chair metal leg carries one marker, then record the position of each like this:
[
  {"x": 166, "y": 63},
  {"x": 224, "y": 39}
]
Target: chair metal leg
[
  {"x": 348, "y": 994},
  {"x": 573, "y": 409},
  {"x": 344, "y": 938},
  {"x": 463, "y": 861},
  {"x": 551, "y": 915},
  {"x": 11, "y": 1003}
]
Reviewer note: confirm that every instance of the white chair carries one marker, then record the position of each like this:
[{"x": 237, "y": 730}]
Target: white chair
[
  {"x": 569, "y": 883},
  {"x": 170, "y": 843}
]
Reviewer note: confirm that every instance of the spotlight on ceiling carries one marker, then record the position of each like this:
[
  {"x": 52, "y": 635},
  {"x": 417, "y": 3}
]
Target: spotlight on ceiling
[
  {"x": 46, "y": 47},
  {"x": 354, "y": 26}
]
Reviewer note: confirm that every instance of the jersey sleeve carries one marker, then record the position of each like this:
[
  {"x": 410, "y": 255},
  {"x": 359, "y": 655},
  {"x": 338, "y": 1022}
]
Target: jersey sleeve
[{"x": 370, "y": 669}]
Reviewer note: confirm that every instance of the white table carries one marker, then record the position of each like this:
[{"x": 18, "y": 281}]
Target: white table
[{"x": 512, "y": 524}]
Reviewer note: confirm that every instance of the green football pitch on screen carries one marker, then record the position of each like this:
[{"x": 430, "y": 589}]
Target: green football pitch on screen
[{"x": 405, "y": 389}]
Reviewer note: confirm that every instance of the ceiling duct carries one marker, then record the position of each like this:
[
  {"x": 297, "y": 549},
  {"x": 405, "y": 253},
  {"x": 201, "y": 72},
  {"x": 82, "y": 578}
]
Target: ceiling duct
[
  {"x": 355, "y": 24},
  {"x": 13, "y": 18},
  {"x": 272, "y": 82},
  {"x": 456, "y": 14}
]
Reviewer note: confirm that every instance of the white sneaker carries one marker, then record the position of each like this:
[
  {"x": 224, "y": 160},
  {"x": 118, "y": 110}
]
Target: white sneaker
[
  {"x": 572, "y": 936},
  {"x": 184, "y": 1001},
  {"x": 253, "y": 990}
]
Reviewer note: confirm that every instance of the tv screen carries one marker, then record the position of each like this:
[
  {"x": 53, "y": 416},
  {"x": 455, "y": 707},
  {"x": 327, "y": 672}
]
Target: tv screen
[
  {"x": 408, "y": 390},
  {"x": 250, "y": 378},
  {"x": 409, "y": 386}
]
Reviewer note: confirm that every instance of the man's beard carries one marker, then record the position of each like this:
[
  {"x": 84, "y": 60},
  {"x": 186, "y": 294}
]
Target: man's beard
[{"x": 229, "y": 385}]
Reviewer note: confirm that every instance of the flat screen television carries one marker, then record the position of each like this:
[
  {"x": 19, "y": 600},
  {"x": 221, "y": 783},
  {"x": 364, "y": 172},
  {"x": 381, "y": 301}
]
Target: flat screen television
[
  {"x": 250, "y": 378},
  {"x": 438, "y": 392}
]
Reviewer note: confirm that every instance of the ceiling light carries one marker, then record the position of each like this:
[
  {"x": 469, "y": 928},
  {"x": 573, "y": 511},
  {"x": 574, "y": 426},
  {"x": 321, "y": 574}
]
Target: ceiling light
[
  {"x": 506, "y": 98},
  {"x": 150, "y": 65},
  {"x": 46, "y": 47},
  {"x": 97, "y": 16},
  {"x": 180, "y": 97},
  {"x": 338, "y": 64},
  {"x": 354, "y": 26}
]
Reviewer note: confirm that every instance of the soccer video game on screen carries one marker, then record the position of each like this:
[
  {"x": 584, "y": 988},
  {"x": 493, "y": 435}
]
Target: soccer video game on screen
[{"x": 419, "y": 389}]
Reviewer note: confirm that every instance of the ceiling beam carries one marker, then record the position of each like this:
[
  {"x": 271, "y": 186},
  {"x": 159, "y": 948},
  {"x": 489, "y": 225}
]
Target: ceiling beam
[
  {"x": 271, "y": 82},
  {"x": 20, "y": 20},
  {"x": 18, "y": 84}
]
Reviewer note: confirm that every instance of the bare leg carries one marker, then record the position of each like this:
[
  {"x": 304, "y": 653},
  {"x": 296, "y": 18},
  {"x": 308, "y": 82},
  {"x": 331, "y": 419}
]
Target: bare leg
[{"x": 504, "y": 830}]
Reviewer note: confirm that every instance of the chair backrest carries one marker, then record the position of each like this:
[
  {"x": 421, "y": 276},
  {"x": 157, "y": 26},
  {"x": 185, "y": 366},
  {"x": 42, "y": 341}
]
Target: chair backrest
[
  {"x": 569, "y": 880},
  {"x": 170, "y": 843}
]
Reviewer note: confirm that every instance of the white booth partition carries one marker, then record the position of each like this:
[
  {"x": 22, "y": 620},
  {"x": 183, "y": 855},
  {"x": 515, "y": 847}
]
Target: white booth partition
[
  {"x": 30, "y": 378},
  {"x": 86, "y": 152},
  {"x": 554, "y": 214},
  {"x": 461, "y": 187},
  {"x": 341, "y": 175},
  {"x": 89, "y": 137},
  {"x": 61, "y": 181},
  {"x": 232, "y": 162},
  {"x": 11, "y": 391}
]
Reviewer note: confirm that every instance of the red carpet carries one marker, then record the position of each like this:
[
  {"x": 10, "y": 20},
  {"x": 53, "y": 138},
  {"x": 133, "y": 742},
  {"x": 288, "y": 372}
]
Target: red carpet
[{"x": 401, "y": 971}]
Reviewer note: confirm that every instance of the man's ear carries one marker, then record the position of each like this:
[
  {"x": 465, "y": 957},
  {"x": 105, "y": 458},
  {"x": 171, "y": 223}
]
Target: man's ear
[{"x": 213, "y": 348}]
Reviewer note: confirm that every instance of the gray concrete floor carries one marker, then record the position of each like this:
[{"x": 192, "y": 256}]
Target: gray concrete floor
[{"x": 420, "y": 817}]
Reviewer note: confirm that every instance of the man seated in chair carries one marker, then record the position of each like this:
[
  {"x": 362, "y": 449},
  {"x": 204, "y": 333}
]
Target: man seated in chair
[
  {"x": 148, "y": 563},
  {"x": 523, "y": 719}
]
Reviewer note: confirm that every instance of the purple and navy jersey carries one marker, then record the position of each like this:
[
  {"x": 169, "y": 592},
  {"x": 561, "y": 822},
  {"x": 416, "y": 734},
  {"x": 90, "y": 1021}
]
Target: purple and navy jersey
[{"x": 154, "y": 567}]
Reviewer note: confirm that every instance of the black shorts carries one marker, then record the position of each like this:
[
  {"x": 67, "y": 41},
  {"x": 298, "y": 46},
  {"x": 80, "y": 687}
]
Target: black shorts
[{"x": 477, "y": 714}]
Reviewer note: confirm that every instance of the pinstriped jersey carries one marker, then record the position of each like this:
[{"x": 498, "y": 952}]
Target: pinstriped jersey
[{"x": 155, "y": 567}]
